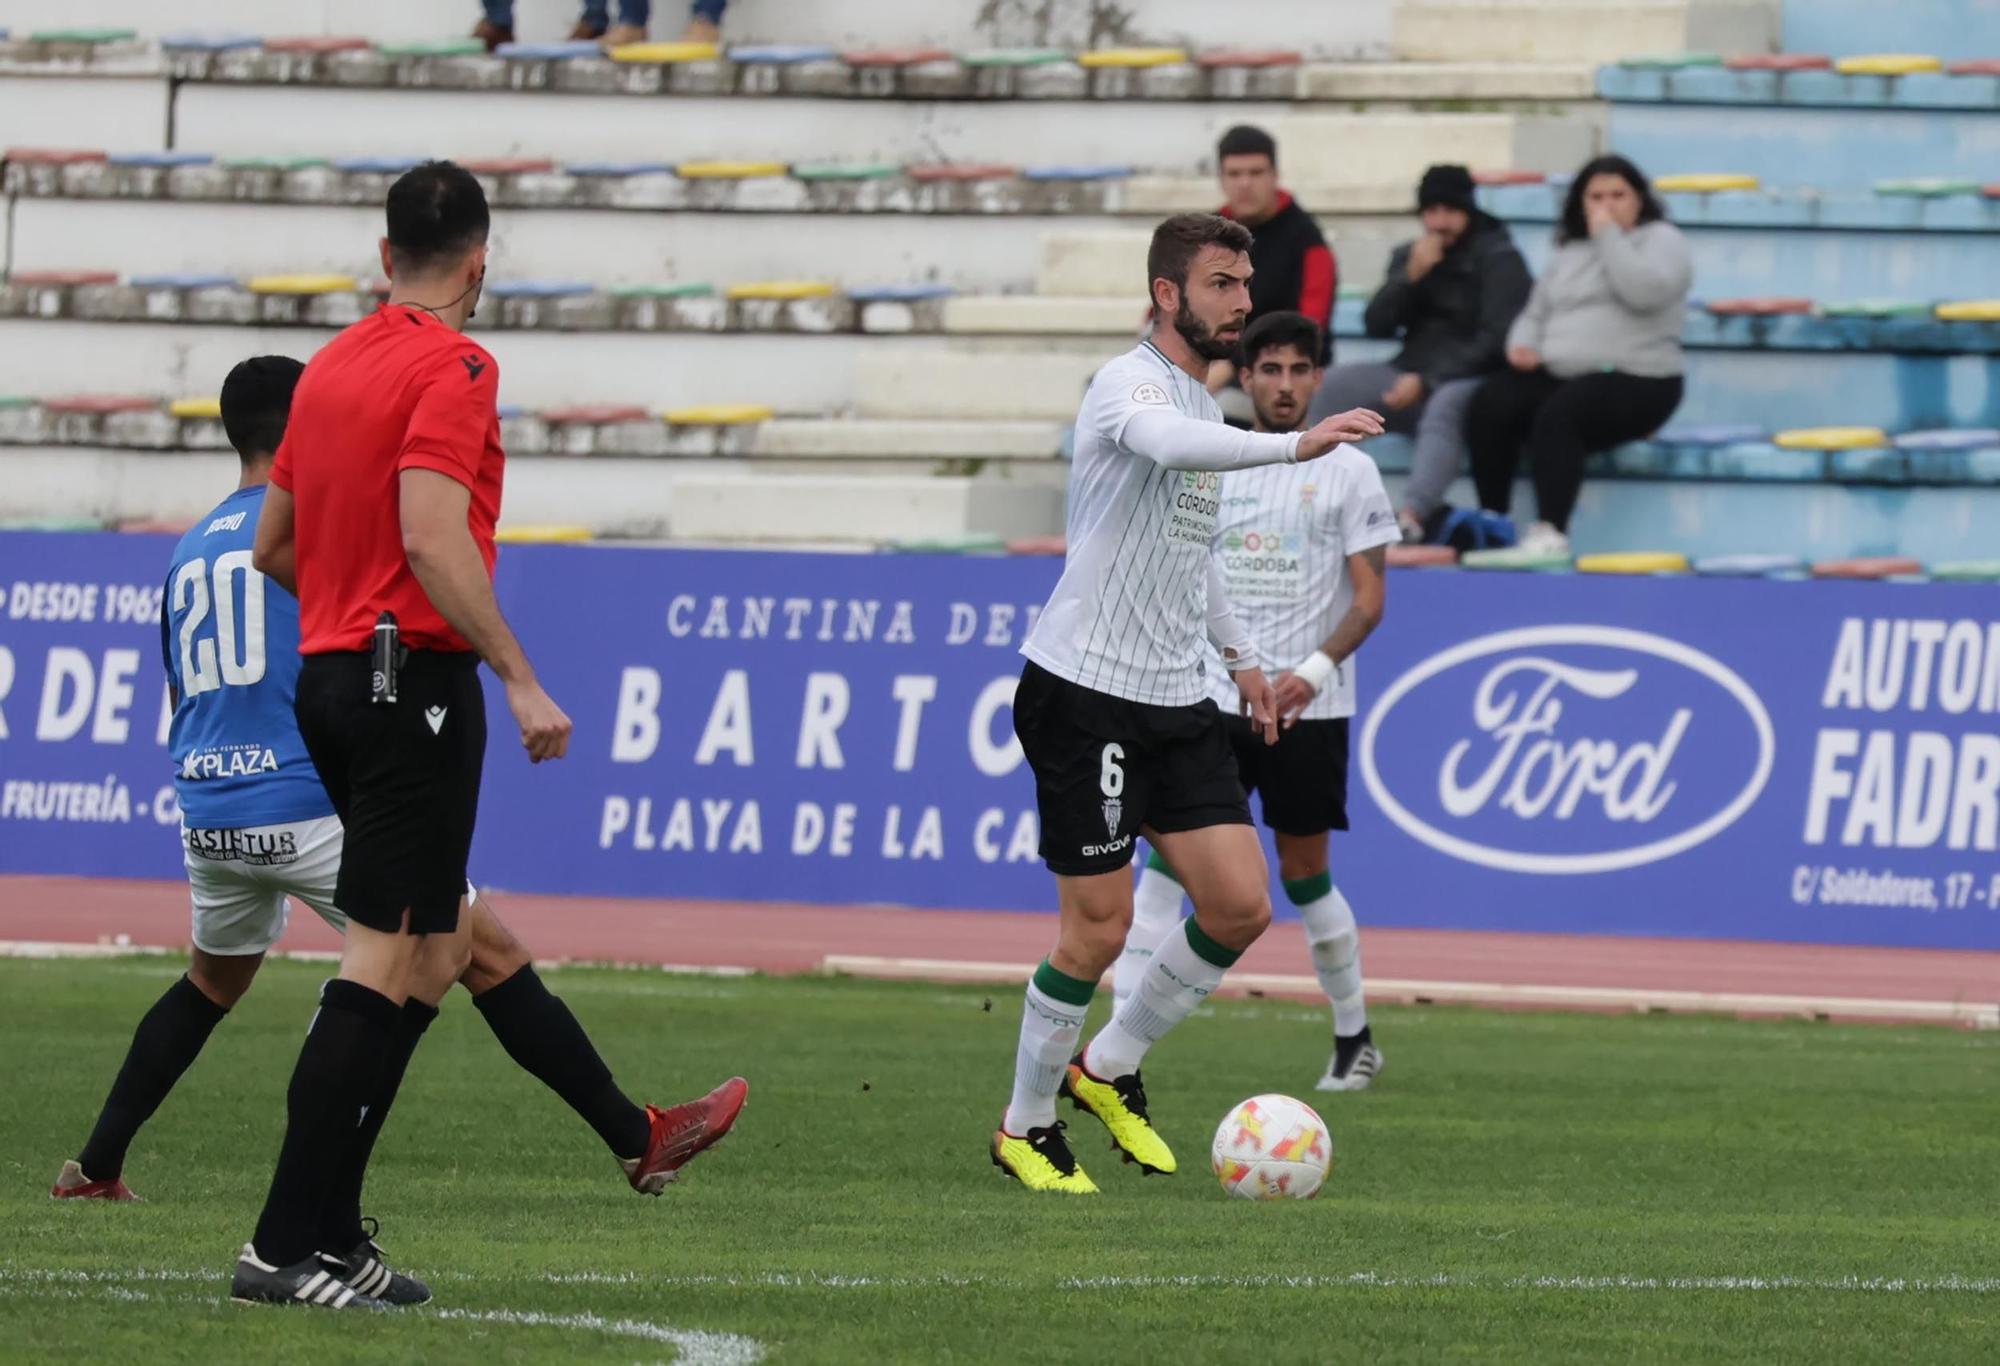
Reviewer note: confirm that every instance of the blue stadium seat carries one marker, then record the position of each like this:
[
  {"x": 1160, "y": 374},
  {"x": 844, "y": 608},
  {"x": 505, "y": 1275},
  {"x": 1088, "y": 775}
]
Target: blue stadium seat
[
  {"x": 539, "y": 289},
  {"x": 1075, "y": 172},
  {"x": 781, "y": 54},
  {"x": 1950, "y": 439},
  {"x": 1749, "y": 566},
  {"x": 210, "y": 42},
  {"x": 376, "y": 165},
  {"x": 162, "y": 159},
  {"x": 1711, "y": 434},
  {"x": 618, "y": 169},
  {"x": 547, "y": 52},
  {"x": 183, "y": 280},
  {"x": 913, "y": 293}
]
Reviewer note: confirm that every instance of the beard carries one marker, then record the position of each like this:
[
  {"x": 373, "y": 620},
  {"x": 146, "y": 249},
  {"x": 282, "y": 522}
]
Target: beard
[
  {"x": 1200, "y": 337},
  {"x": 1274, "y": 421}
]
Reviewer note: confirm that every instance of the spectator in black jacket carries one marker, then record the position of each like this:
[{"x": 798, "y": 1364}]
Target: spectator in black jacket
[
  {"x": 1450, "y": 296},
  {"x": 1295, "y": 270}
]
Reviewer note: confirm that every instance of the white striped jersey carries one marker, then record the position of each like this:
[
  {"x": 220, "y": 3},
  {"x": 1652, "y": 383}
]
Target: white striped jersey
[
  {"x": 1282, "y": 540},
  {"x": 1129, "y": 615}
]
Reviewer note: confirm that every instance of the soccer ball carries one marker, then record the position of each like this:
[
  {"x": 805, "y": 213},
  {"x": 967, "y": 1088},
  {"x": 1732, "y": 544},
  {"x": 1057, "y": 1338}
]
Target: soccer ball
[{"x": 1272, "y": 1148}]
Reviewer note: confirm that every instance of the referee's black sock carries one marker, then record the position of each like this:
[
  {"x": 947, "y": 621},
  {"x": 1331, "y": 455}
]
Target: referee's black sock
[
  {"x": 335, "y": 1076},
  {"x": 340, "y": 1222},
  {"x": 540, "y": 1034},
  {"x": 166, "y": 1042}
]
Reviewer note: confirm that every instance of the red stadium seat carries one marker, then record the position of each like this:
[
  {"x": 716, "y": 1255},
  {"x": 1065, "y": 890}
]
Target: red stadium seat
[
  {"x": 894, "y": 56},
  {"x": 1757, "y": 307},
  {"x": 318, "y": 42},
  {"x": 99, "y": 404},
  {"x": 508, "y": 165},
  {"x": 63, "y": 278},
  {"x": 1983, "y": 66},
  {"x": 1780, "y": 61},
  {"x": 1421, "y": 556},
  {"x": 1509, "y": 178},
  {"x": 598, "y": 413},
  {"x": 54, "y": 156},
  {"x": 158, "y": 526},
  {"x": 1251, "y": 57},
  {"x": 1038, "y": 545},
  {"x": 1867, "y": 567}
]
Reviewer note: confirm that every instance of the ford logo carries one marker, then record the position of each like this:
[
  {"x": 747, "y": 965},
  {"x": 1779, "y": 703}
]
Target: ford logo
[{"x": 1566, "y": 749}]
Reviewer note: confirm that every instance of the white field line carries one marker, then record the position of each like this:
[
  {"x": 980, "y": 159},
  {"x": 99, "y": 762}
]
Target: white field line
[
  {"x": 73, "y": 1280},
  {"x": 1640, "y": 999},
  {"x": 695, "y": 1347}
]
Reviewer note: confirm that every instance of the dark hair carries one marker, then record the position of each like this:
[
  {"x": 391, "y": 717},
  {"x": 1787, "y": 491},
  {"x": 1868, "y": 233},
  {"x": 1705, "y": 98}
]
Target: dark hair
[
  {"x": 1246, "y": 141},
  {"x": 256, "y": 400},
  {"x": 1275, "y": 331},
  {"x": 1572, "y": 228},
  {"x": 437, "y": 213},
  {"x": 1178, "y": 240}
]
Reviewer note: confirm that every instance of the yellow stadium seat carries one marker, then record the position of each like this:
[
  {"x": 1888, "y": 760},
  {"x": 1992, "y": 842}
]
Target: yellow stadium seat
[
  {"x": 1887, "y": 64},
  {"x": 196, "y": 407},
  {"x": 1831, "y": 438},
  {"x": 783, "y": 289},
  {"x": 1970, "y": 311},
  {"x": 718, "y": 414},
  {"x": 303, "y": 284},
  {"x": 1633, "y": 562},
  {"x": 1707, "y": 183},
  {"x": 543, "y": 535},
  {"x": 728, "y": 170},
  {"x": 666, "y": 52},
  {"x": 1134, "y": 56}
]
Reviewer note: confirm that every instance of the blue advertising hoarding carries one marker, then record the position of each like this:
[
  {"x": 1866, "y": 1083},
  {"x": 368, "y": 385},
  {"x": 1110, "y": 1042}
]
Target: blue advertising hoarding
[{"x": 1809, "y": 761}]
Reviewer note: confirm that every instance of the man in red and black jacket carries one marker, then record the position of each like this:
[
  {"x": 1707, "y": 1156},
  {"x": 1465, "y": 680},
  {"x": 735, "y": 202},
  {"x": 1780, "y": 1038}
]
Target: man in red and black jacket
[{"x": 1295, "y": 269}]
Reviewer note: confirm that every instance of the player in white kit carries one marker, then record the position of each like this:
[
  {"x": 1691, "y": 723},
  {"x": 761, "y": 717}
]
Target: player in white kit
[
  {"x": 1302, "y": 550},
  {"x": 1115, "y": 716}
]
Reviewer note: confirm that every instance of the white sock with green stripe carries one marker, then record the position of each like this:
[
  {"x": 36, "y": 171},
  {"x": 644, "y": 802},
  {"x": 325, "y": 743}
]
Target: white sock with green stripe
[
  {"x": 1051, "y": 1023},
  {"x": 1336, "y": 948},
  {"x": 1183, "y": 971},
  {"x": 1156, "y": 913}
]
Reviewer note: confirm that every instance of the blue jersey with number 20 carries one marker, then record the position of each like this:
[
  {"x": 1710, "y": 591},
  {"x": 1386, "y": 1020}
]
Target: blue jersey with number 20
[{"x": 232, "y": 650}]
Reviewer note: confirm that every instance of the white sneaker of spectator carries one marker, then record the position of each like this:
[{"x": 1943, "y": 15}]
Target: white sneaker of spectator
[{"x": 1543, "y": 539}]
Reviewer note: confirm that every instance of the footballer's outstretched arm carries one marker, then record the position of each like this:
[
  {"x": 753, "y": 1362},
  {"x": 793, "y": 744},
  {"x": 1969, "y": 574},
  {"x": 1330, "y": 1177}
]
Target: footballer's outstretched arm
[{"x": 1179, "y": 442}]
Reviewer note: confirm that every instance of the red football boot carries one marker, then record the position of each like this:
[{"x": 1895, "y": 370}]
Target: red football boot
[
  {"x": 72, "y": 1184},
  {"x": 682, "y": 1132}
]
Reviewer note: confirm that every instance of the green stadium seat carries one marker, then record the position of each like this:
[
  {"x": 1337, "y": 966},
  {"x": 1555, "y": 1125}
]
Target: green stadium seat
[
  {"x": 1967, "y": 571},
  {"x": 1516, "y": 559}
]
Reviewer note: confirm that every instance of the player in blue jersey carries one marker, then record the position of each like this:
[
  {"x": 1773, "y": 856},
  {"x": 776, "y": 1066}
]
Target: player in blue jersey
[{"x": 258, "y": 828}]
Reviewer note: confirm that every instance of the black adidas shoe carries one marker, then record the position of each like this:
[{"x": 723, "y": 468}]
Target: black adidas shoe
[
  {"x": 1355, "y": 1063},
  {"x": 366, "y": 1269},
  {"x": 308, "y": 1282}
]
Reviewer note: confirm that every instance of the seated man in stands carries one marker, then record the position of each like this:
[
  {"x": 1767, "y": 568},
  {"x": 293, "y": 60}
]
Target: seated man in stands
[
  {"x": 1295, "y": 269},
  {"x": 1449, "y": 296},
  {"x": 594, "y": 24},
  {"x": 1595, "y": 357}
]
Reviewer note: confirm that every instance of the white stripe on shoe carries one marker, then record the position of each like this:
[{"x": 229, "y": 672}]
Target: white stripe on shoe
[
  {"x": 309, "y": 1288},
  {"x": 334, "y": 1288}
]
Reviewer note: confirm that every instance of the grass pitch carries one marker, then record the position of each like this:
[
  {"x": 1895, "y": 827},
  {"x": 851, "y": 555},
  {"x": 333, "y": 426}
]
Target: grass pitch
[{"x": 1531, "y": 1188}]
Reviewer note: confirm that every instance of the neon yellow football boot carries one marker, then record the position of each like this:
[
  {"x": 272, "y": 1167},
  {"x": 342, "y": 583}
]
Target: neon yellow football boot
[
  {"x": 1121, "y": 1104},
  {"x": 1041, "y": 1160}
]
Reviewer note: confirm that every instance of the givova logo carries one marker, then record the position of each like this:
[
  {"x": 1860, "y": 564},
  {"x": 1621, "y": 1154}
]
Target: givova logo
[{"x": 1567, "y": 749}]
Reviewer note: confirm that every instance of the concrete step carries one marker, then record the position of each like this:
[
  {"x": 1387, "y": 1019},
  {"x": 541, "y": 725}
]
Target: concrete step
[
  {"x": 1578, "y": 30},
  {"x": 1320, "y": 148},
  {"x": 1828, "y": 149},
  {"x": 716, "y": 505},
  {"x": 1362, "y": 28},
  {"x": 900, "y": 380},
  {"x": 882, "y": 439}
]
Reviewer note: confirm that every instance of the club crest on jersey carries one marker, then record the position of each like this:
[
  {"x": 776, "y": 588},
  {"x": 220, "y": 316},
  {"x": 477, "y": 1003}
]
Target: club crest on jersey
[
  {"x": 1149, "y": 392},
  {"x": 1308, "y": 492},
  {"x": 1114, "y": 811}
]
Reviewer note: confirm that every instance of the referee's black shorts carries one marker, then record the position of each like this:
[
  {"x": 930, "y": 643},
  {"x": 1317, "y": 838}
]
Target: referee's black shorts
[{"x": 404, "y": 778}]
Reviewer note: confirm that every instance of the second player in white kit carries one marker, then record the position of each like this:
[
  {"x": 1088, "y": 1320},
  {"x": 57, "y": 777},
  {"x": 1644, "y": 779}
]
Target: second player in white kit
[
  {"x": 1301, "y": 551},
  {"x": 1114, "y": 711}
]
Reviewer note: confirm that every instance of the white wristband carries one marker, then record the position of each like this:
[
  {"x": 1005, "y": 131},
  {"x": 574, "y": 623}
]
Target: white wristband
[{"x": 1317, "y": 669}]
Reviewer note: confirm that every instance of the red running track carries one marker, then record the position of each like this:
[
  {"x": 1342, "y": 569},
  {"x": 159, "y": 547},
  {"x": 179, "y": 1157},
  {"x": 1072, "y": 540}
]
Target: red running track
[{"x": 784, "y": 938}]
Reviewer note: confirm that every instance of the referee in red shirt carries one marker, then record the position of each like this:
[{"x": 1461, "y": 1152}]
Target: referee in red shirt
[{"x": 380, "y": 516}]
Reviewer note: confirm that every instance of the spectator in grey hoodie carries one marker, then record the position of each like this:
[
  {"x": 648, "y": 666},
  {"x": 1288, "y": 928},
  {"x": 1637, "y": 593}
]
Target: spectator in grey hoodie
[
  {"x": 1595, "y": 357},
  {"x": 1448, "y": 296}
]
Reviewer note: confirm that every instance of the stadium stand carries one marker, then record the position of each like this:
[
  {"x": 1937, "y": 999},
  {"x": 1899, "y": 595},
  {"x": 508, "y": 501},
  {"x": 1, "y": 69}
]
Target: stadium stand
[{"x": 896, "y": 308}]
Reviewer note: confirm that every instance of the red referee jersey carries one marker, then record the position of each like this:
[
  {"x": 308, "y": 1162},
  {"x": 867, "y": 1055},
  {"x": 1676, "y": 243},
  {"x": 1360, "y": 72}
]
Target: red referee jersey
[{"x": 396, "y": 391}]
